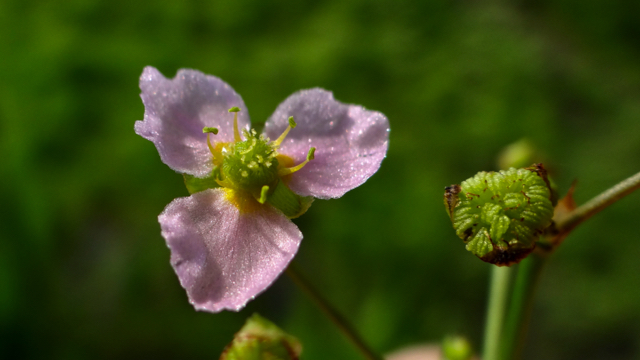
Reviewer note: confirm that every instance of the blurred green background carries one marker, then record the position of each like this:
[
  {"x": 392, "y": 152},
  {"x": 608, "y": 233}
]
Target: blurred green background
[{"x": 85, "y": 274}]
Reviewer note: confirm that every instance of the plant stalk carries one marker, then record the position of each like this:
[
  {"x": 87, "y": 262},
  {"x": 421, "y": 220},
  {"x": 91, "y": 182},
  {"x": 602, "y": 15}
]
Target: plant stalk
[
  {"x": 496, "y": 310},
  {"x": 331, "y": 312},
  {"x": 598, "y": 203},
  {"x": 521, "y": 306}
]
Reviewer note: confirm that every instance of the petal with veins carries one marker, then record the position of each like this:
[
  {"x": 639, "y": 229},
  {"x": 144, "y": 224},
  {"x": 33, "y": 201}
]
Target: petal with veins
[
  {"x": 177, "y": 109},
  {"x": 223, "y": 257},
  {"x": 350, "y": 142}
]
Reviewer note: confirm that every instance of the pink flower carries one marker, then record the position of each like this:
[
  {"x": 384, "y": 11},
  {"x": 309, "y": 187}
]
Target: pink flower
[{"x": 233, "y": 236}]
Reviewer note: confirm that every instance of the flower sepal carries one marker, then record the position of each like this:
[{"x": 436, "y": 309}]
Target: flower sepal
[
  {"x": 291, "y": 204},
  {"x": 196, "y": 185}
]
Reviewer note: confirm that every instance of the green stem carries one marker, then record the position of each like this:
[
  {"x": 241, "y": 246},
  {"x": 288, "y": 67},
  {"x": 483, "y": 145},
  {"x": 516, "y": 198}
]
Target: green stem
[
  {"x": 598, "y": 203},
  {"x": 340, "y": 321},
  {"x": 521, "y": 305},
  {"x": 496, "y": 309}
]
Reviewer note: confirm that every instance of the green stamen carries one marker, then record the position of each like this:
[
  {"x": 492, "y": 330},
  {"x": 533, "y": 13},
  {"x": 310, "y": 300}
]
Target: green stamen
[
  {"x": 236, "y": 133},
  {"x": 291, "y": 170},
  {"x": 279, "y": 140}
]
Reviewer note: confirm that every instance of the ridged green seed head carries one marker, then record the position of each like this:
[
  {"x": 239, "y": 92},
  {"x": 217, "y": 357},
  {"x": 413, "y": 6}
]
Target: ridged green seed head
[
  {"x": 499, "y": 215},
  {"x": 260, "y": 339},
  {"x": 250, "y": 164}
]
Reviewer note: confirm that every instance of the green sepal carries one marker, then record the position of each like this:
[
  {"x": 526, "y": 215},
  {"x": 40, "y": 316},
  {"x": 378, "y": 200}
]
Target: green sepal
[
  {"x": 260, "y": 339},
  {"x": 195, "y": 185},
  {"x": 285, "y": 200}
]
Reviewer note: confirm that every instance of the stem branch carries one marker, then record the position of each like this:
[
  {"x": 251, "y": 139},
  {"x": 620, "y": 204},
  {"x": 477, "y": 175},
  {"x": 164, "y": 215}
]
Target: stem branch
[
  {"x": 340, "y": 321},
  {"x": 598, "y": 203}
]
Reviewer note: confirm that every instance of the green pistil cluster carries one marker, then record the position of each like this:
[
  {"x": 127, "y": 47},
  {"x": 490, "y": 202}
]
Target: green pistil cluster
[
  {"x": 250, "y": 168},
  {"x": 250, "y": 164},
  {"x": 499, "y": 215}
]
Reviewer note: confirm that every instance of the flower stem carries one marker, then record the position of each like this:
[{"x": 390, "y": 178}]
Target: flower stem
[
  {"x": 599, "y": 202},
  {"x": 521, "y": 305},
  {"x": 496, "y": 309},
  {"x": 340, "y": 321}
]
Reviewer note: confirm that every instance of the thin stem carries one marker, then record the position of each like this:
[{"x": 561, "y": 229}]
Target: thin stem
[
  {"x": 521, "y": 305},
  {"x": 598, "y": 203},
  {"x": 496, "y": 309},
  {"x": 333, "y": 314}
]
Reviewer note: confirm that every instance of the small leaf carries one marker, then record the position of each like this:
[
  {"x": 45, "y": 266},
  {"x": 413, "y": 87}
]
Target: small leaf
[{"x": 260, "y": 339}]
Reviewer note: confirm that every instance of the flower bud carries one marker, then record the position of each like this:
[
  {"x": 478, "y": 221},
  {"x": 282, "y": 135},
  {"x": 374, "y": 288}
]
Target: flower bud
[{"x": 456, "y": 348}]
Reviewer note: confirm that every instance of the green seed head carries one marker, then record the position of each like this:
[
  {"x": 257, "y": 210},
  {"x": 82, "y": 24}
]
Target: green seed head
[
  {"x": 500, "y": 214},
  {"x": 250, "y": 164},
  {"x": 261, "y": 339}
]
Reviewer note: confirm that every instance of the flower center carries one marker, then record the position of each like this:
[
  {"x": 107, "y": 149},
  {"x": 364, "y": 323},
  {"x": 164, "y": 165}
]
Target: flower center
[{"x": 251, "y": 165}]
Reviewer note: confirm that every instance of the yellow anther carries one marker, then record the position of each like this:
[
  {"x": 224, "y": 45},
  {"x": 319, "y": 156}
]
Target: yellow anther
[
  {"x": 291, "y": 170},
  {"x": 279, "y": 140}
]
